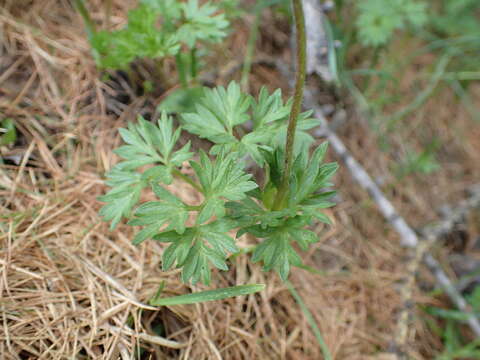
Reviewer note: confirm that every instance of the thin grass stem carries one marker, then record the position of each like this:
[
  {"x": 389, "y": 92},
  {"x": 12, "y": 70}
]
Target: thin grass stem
[
  {"x": 310, "y": 320},
  {"x": 178, "y": 174}
]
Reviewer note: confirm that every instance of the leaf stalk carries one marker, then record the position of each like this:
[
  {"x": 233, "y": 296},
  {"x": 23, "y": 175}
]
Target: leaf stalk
[{"x": 177, "y": 173}]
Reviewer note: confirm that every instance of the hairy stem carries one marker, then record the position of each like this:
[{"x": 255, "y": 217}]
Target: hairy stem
[{"x": 297, "y": 101}]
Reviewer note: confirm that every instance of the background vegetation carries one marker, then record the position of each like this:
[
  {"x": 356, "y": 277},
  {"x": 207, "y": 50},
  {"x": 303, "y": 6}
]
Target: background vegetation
[{"x": 404, "y": 100}]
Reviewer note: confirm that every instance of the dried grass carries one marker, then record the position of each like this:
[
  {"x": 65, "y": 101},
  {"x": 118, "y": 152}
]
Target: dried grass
[{"x": 69, "y": 287}]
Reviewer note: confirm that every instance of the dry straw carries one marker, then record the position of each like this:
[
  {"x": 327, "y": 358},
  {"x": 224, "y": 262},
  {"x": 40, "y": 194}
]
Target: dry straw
[{"x": 70, "y": 287}]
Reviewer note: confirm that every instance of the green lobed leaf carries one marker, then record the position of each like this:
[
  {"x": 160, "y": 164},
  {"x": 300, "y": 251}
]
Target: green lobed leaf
[
  {"x": 201, "y": 23},
  {"x": 268, "y": 108},
  {"x": 376, "y": 22},
  {"x": 150, "y": 144},
  {"x": 147, "y": 144},
  {"x": 120, "y": 200},
  {"x": 168, "y": 211},
  {"x": 218, "y": 111},
  {"x": 224, "y": 178},
  {"x": 198, "y": 248},
  {"x": 277, "y": 254}
]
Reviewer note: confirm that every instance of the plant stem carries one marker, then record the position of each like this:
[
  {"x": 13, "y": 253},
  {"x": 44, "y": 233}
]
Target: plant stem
[
  {"x": 181, "y": 70},
  {"x": 193, "y": 65},
  {"x": 194, "y": 207},
  {"x": 89, "y": 25},
  {"x": 247, "y": 64},
  {"x": 187, "y": 179},
  {"x": 373, "y": 64},
  {"x": 108, "y": 12},
  {"x": 297, "y": 101}
]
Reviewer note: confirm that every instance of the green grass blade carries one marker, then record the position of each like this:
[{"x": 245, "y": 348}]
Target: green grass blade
[
  {"x": 466, "y": 99},
  {"x": 89, "y": 25},
  {"x": 209, "y": 295},
  {"x": 422, "y": 96},
  {"x": 332, "y": 52},
  {"x": 310, "y": 320},
  {"x": 252, "y": 39}
]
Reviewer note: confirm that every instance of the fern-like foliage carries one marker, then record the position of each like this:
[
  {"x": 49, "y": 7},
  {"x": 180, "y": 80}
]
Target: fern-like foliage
[
  {"x": 378, "y": 20},
  {"x": 220, "y": 114}
]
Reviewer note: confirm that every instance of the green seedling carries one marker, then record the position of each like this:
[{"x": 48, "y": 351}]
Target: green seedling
[
  {"x": 423, "y": 162},
  {"x": 376, "y": 22},
  {"x": 455, "y": 345},
  {"x": 276, "y": 208},
  {"x": 232, "y": 198},
  {"x": 158, "y": 29}
]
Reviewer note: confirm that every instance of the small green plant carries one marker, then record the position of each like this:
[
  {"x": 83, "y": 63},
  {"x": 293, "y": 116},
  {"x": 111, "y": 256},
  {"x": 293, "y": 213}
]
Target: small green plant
[
  {"x": 377, "y": 21},
  {"x": 8, "y": 133},
  {"x": 447, "y": 21},
  {"x": 232, "y": 198},
  {"x": 455, "y": 345},
  {"x": 423, "y": 162},
  {"x": 157, "y": 29},
  {"x": 275, "y": 208}
]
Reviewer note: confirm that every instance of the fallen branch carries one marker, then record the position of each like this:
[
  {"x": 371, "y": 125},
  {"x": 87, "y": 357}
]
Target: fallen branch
[{"x": 409, "y": 238}]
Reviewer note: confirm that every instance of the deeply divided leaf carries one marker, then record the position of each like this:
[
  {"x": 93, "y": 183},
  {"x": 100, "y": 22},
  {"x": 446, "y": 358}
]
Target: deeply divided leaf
[{"x": 197, "y": 249}]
